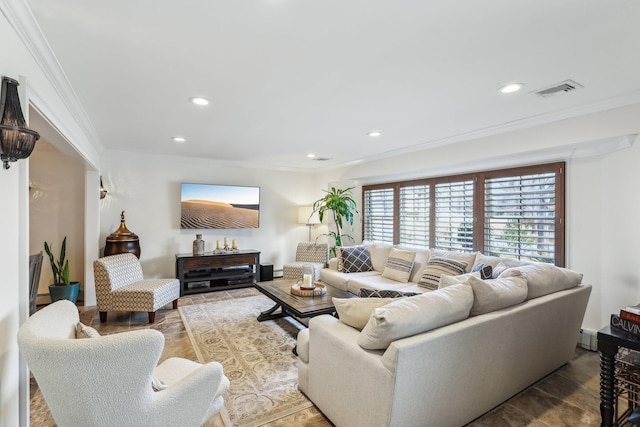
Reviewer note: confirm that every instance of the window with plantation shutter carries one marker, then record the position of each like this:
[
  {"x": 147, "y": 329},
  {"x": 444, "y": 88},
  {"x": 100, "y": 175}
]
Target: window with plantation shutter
[
  {"x": 514, "y": 213},
  {"x": 414, "y": 215},
  {"x": 378, "y": 215},
  {"x": 520, "y": 217},
  {"x": 454, "y": 216}
]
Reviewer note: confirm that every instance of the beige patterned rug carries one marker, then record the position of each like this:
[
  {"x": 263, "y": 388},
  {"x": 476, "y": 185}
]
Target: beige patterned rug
[{"x": 256, "y": 357}]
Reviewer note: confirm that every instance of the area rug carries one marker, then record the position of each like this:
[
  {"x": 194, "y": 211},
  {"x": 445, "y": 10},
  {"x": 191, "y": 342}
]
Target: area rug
[{"x": 256, "y": 357}]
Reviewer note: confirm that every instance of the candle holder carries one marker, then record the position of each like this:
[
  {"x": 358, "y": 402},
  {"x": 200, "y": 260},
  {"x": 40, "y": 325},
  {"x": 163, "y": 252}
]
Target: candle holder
[{"x": 225, "y": 250}]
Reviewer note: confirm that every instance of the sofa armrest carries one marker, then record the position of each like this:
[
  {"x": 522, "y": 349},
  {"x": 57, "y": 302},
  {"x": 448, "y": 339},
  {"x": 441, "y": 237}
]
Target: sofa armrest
[{"x": 337, "y": 362}]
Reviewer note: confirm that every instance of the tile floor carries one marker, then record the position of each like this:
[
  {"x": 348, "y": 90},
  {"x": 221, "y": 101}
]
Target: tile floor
[{"x": 567, "y": 397}]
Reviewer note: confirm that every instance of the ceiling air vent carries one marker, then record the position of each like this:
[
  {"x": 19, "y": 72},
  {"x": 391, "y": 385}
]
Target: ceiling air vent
[
  {"x": 321, "y": 159},
  {"x": 558, "y": 89}
]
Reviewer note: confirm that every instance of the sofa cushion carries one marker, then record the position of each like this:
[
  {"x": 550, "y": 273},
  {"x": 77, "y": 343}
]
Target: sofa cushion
[
  {"x": 399, "y": 265},
  {"x": 494, "y": 294},
  {"x": 376, "y": 282},
  {"x": 157, "y": 384},
  {"x": 486, "y": 271},
  {"x": 438, "y": 266},
  {"x": 379, "y": 253},
  {"x": 468, "y": 257},
  {"x": 355, "y": 259},
  {"x": 340, "y": 280},
  {"x": 498, "y": 270},
  {"x": 543, "y": 279},
  {"x": 410, "y": 316},
  {"x": 356, "y": 312},
  {"x": 494, "y": 260},
  {"x": 420, "y": 261},
  {"x": 385, "y": 293},
  {"x": 447, "y": 280}
]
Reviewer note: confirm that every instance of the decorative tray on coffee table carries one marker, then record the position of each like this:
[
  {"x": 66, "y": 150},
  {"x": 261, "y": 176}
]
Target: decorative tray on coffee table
[{"x": 317, "y": 290}]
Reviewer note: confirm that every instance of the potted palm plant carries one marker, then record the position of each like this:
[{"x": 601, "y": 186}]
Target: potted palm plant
[
  {"x": 340, "y": 204},
  {"x": 62, "y": 287}
]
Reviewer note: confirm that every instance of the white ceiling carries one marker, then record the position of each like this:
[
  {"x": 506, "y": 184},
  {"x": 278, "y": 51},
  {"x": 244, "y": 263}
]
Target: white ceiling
[{"x": 289, "y": 77}]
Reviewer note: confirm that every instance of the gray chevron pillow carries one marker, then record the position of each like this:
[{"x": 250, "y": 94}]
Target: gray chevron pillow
[
  {"x": 355, "y": 259},
  {"x": 372, "y": 293}
]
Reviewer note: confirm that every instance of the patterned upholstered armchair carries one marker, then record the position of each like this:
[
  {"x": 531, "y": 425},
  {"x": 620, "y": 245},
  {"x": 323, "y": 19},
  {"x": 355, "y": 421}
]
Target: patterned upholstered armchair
[
  {"x": 313, "y": 254},
  {"x": 120, "y": 285}
]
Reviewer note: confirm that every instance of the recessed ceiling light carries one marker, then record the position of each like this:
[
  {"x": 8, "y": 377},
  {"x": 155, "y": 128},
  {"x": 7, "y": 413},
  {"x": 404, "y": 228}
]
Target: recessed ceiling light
[
  {"x": 374, "y": 133},
  {"x": 311, "y": 155},
  {"x": 179, "y": 139},
  {"x": 510, "y": 88},
  {"x": 199, "y": 101}
]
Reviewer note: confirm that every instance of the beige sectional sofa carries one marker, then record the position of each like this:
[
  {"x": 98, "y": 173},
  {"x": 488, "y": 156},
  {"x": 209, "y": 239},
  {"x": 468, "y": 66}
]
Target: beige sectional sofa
[{"x": 459, "y": 367}]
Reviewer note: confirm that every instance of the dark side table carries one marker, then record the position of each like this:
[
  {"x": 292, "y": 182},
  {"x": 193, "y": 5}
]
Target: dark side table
[{"x": 610, "y": 340}]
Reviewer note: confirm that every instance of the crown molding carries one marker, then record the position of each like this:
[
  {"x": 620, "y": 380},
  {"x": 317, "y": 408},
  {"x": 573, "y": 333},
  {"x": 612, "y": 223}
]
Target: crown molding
[
  {"x": 20, "y": 17},
  {"x": 586, "y": 149}
]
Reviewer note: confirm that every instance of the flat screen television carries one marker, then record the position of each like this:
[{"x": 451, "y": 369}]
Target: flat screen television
[{"x": 219, "y": 206}]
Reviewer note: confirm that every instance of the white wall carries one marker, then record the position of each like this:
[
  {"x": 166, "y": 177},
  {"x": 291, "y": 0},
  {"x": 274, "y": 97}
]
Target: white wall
[
  {"x": 620, "y": 231},
  {"x": 147, "y": 188},
  {"x": 56, "y": 210},
  {"x": 10, "y": 286},
  {"x": 38, "y": 91}
]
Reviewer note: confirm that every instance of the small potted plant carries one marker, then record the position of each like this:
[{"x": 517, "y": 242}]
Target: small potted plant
[{"x": 62, "y": 287}]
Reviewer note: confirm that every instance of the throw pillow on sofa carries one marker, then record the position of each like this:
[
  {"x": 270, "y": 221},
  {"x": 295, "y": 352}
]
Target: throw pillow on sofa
[
  {"x": 356, "y": 312},
  {"x": 446, "y": 280},
  {"x": 467, "y": 257},
  {"x": 436, "y": 267},
  {"x": 379, "y": 253},
  {"x": 543, "y": 279},
  {"x": 486, "y": 271},
  {"x": 385, "y": 293},
  {"x": 399, "y": 265},
  {"x": 498, "y": 270},
  {"x": 410, "y": 316},
  {"x": 355, "y": 259},
  {"x": 494, "y": 294}
]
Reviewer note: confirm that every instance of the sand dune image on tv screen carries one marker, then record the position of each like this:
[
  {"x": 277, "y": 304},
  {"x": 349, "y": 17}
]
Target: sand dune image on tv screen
[{"x": 209, "y": 214}]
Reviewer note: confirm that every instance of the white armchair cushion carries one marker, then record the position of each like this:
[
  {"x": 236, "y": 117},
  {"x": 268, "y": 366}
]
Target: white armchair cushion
[
  {"x": 410, "y": 316},
  {"x": 84, "y": 331}
]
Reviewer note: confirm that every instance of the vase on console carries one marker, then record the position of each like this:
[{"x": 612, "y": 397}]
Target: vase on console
[{"x": 198, "y": 245}]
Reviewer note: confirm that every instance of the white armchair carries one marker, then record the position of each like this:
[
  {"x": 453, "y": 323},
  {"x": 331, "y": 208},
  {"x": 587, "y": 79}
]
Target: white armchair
[
  {"x": 107, "y": 380},
  {"x": 315, "y": 255}
]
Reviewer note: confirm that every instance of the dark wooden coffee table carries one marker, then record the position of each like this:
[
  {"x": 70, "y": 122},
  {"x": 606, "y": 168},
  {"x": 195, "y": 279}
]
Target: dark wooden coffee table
[{"x": 293, "y": 305}]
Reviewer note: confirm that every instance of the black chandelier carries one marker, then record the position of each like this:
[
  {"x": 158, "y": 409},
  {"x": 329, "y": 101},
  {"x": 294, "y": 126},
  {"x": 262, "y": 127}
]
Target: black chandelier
[{"x": 16, "y": 140}]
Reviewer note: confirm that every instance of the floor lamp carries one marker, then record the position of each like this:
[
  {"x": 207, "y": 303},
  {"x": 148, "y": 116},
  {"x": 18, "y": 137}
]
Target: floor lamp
[{"x": 308, "y": 217}]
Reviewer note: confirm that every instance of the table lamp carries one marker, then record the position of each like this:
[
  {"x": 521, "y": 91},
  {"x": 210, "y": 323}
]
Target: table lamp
[{"x": 308, "y": 217}]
